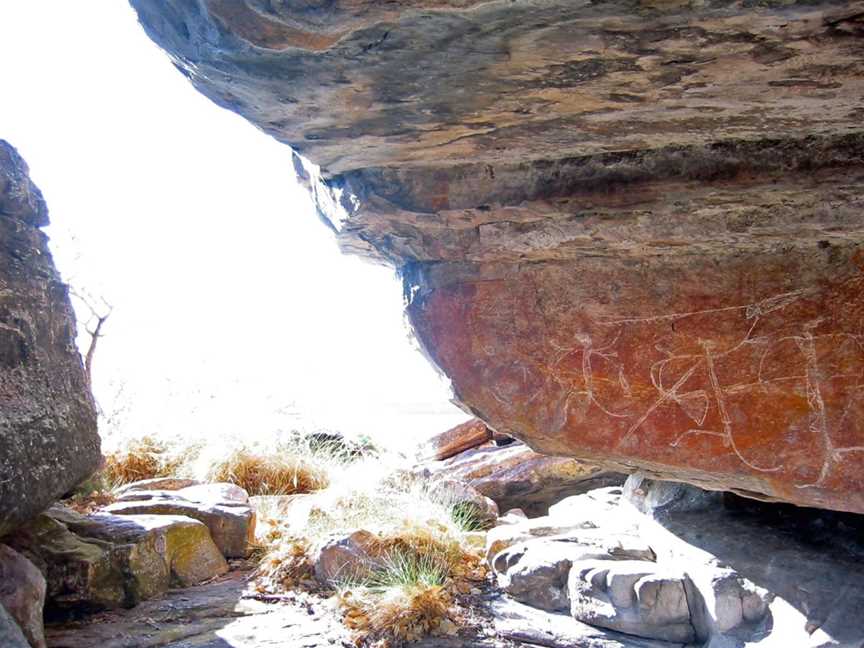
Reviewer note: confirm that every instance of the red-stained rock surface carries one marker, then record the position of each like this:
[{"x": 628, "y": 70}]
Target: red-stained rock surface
[
  {"x": 629, "y": 232},
  {"x": 745, "y": 375}
]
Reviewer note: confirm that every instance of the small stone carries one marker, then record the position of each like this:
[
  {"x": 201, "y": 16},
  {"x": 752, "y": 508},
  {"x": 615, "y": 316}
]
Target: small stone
[{"x": 345, "y": 558}]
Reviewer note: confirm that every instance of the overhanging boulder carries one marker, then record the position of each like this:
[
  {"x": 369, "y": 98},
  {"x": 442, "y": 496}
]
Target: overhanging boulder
[{"x": 629, "y": 231}]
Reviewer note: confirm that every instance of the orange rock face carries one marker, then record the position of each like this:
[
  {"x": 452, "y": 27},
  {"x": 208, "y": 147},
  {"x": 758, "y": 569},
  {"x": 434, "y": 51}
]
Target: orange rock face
[{"x": 745, "y": 375}]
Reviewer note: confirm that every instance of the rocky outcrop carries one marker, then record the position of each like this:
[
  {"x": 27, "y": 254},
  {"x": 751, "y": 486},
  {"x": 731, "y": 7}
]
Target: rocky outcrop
[
  {"x": 104, "y": 561},
  {"x": 629, "y": 232},
  {"x": 48, "y": 439},
  {"x": 223, "y": 508},
  {"x": 695, "y": 569},
  {"x": 514, "y": 476}
]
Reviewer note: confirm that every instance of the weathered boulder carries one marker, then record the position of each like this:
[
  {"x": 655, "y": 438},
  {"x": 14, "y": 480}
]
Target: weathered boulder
[
  {"x": 629, "y": 233},
  {"x": 223, "y": 508},
  {"x": 48, "y": 439},
  {"x": 107, "y": 561},
  {"x": 536, "y": 571},
  {"x": 450, "y": 443},
  {"x": 634, "y": 597},
  {"x": 22, "y": 594},
  {"x": 515, "y": 476}
]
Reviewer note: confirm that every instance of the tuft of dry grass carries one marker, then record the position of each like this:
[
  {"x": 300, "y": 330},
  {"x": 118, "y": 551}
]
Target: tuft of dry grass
[
  {"x": 413, "y": 592},
  {"x": 286, "y": 566},
  {"x": 294, "y": 467},
  {"x": 143, "y": 458},
  {"x": 423, "y": 559}
]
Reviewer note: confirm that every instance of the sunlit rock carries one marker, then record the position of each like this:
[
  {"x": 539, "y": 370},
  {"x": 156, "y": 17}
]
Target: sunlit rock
[{"x": 223, "y": 508}]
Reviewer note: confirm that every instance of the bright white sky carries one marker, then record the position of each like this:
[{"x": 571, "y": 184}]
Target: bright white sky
[{"x": 234, "y": 311}]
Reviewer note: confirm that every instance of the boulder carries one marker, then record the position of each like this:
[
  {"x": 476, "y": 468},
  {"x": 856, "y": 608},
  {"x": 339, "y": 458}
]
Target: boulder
[
  {"x": 750, "y": 572},
  {"x": 464, "y": 436},
  {"x": 628, "y": 234},
  {"x": 635, "y": 597},
  {"x": 515, "y": 476},
  {"x": 662, "y": 498},
  {"x": 10, "y": 634},
  {"x": 467, "y": 503},
  {"x": 224, "y": 508},
  {"x": 48, "y": 438},
  {"x": 22, "y": 594},
  {"x": 106, "y": 561},
  {"x": 346, "y": 558},
  {"x": 536, "y": 571}
]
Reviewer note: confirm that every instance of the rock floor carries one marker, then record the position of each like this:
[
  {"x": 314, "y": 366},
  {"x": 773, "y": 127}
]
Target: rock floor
[
  {"x": 218, "y": 614},
  {"x": 225, "y": 614}
]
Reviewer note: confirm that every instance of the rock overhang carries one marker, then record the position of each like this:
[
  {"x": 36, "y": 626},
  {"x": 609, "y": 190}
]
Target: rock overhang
[{"x": 629, "y": 231}]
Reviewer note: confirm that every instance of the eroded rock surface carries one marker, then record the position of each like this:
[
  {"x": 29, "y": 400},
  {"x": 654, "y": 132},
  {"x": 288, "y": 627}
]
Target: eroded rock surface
[
  {"x": 629, "y": 231},
  {"x": 48, "y": 439}
]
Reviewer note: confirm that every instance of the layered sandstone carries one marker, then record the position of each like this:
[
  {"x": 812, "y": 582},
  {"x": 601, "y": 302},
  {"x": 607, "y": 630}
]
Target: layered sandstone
[
  {"x": 630, "y": 231},
  {"x": 48, "y": 439}
]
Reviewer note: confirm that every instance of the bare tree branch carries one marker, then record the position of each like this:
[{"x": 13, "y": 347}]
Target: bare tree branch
[{"x": 93, "y": 325}]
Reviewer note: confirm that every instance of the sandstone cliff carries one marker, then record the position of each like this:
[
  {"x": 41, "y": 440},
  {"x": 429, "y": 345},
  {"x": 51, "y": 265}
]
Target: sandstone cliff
[
  {"x": 629, "y": 231},
  {"x": 48, "y": 438}
]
